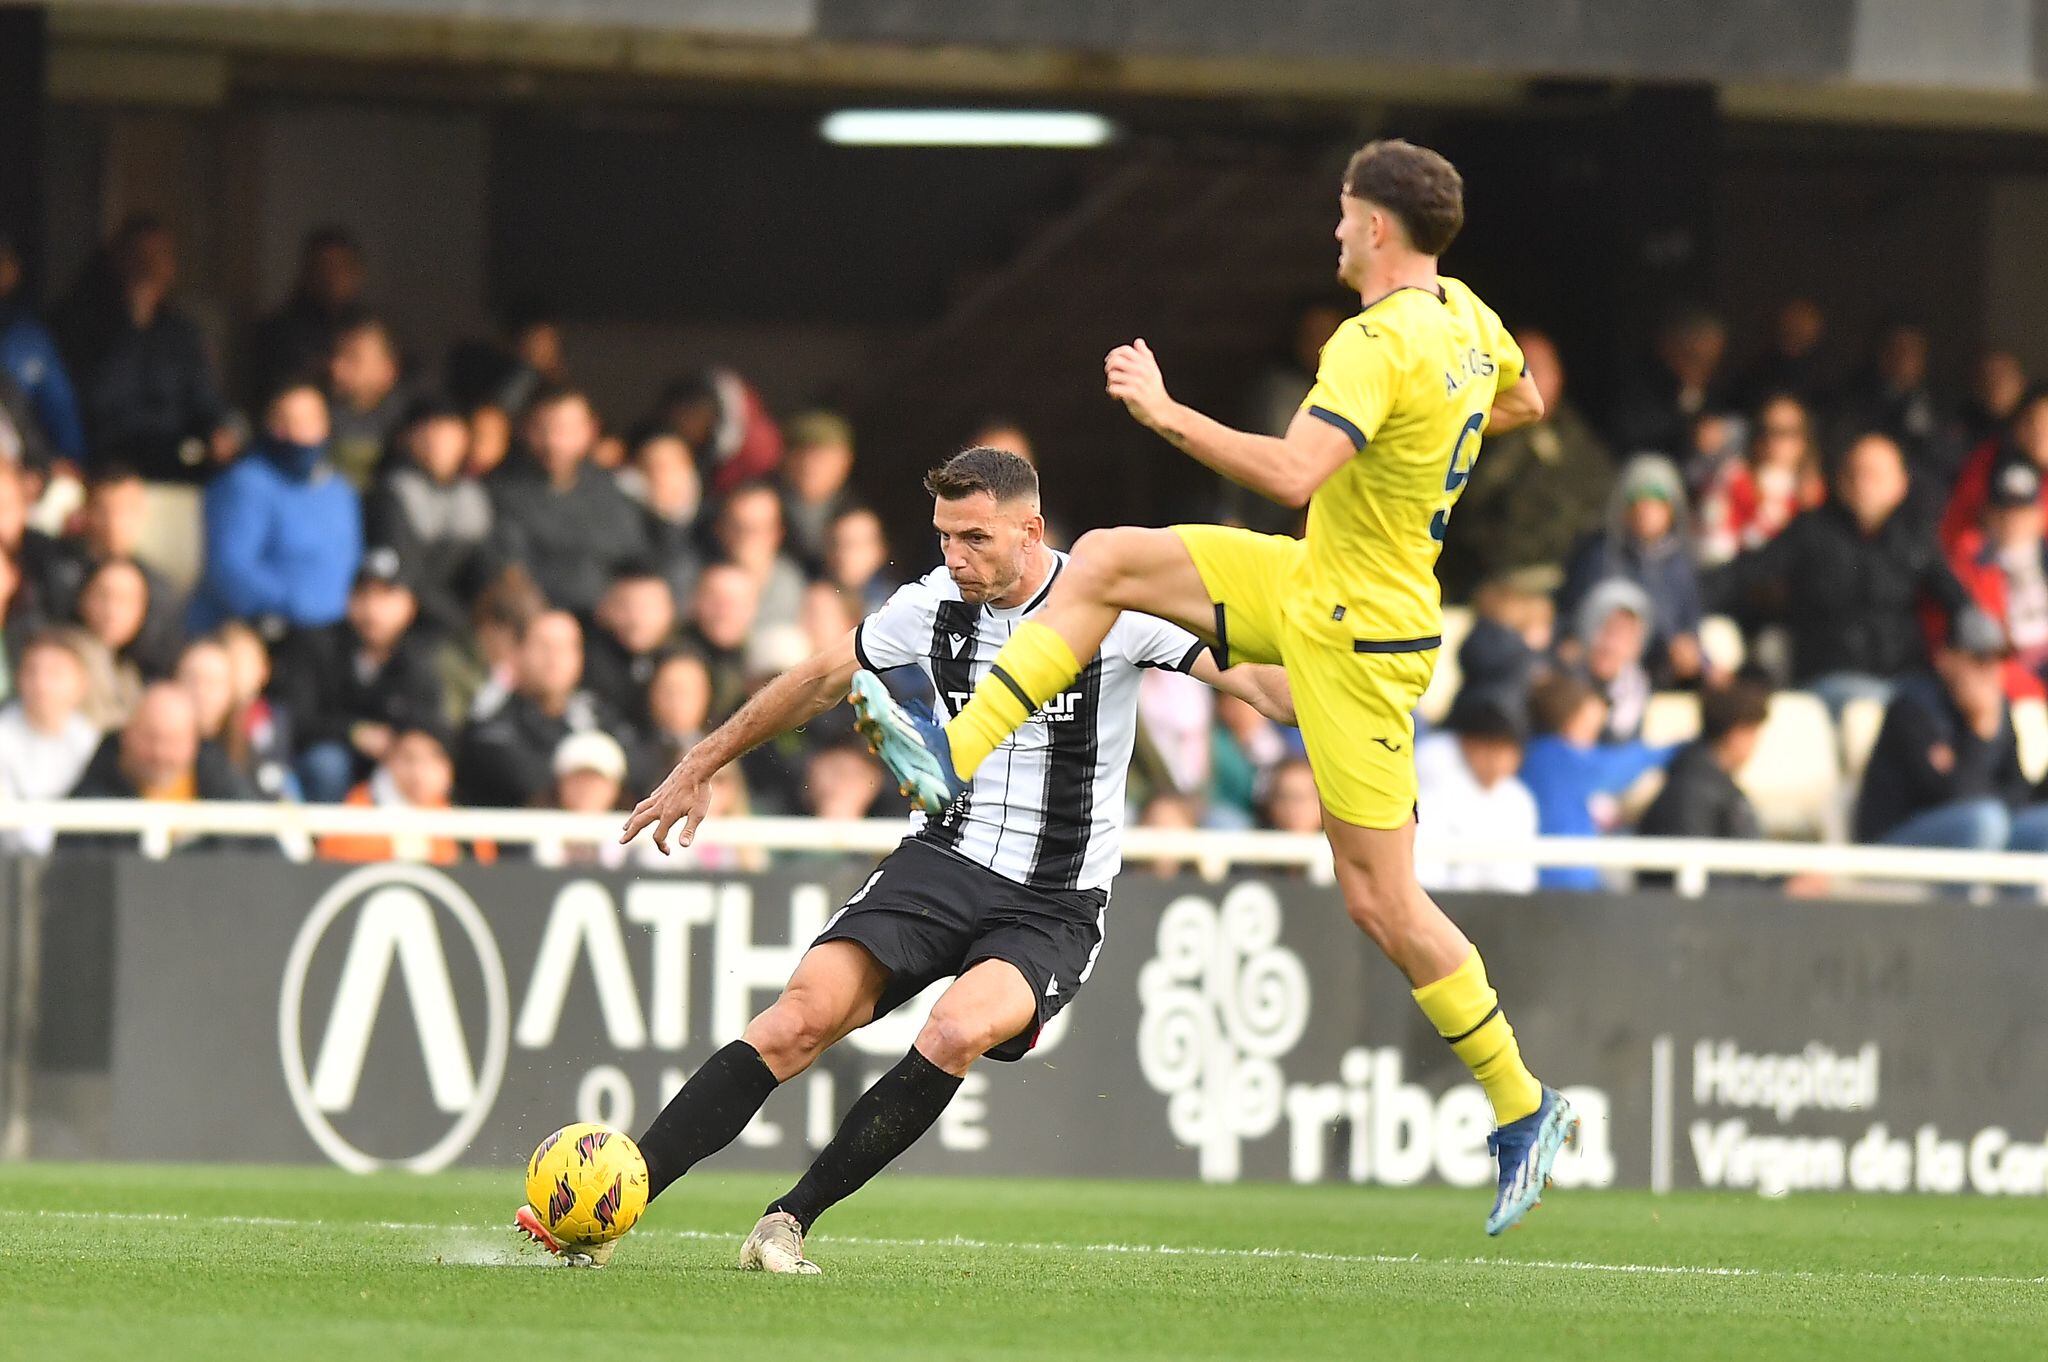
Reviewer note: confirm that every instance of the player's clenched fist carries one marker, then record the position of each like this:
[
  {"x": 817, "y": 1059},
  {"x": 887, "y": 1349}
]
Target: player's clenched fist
[{"x": 1133, "y": 378}]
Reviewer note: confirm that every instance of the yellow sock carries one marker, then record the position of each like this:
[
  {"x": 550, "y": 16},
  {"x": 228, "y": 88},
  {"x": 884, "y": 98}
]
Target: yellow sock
[
  {"x": 1466, "y": 1012},
  {"x": 1035, "y": 665}
]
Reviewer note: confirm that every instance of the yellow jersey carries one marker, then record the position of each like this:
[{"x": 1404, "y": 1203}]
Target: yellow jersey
[{"x": 1409, "y": 381}]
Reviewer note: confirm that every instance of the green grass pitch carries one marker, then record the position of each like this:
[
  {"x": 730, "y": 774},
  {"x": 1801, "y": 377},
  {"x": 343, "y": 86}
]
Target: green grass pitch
[{"x": 218, "y": 1263}]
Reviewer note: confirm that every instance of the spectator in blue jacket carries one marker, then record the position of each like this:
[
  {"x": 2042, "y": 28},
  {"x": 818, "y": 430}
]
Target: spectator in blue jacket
[
  {"x": 29, "y": 356},
  {"x": 1578, "y": 780},
  {"x": 284, "y": 531}
]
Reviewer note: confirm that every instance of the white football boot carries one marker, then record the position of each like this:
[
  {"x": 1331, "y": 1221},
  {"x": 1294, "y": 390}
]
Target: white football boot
[{"x": 777, "y": 1245}]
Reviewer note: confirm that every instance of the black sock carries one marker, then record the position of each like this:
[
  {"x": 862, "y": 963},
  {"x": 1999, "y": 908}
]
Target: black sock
[
  {"x": 707, "y": 1115},
  {"x": 888, "y": 1119}
]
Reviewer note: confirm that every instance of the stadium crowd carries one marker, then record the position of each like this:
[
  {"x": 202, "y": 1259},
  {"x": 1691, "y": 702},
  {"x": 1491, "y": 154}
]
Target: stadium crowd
[{"x": 424, "y": 585}]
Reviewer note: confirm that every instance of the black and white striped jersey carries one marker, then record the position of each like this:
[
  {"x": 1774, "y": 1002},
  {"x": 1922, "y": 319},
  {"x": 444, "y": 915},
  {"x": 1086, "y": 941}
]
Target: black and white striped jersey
[{"x": 1047, "y": 808}]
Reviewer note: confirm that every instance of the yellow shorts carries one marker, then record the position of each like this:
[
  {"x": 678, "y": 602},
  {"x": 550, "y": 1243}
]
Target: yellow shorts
[{"x": 1355, "y": 699}]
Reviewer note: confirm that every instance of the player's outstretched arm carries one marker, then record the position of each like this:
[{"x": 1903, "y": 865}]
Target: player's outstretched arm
[
  {"x": 1518, "y": 406},
  {"x": 1286, "y": 469},
  {"x": 789, "y": 701},
  {"x": 1264, "y": 688}
]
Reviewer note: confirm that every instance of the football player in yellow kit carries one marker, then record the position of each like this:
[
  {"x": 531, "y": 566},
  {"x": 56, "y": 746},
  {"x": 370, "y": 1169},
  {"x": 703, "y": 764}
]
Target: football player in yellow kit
[{"x": 1378, "y": 452}]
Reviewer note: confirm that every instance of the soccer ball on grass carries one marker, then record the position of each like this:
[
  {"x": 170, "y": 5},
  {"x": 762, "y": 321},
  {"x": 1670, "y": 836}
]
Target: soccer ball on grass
[{"x": 587, "y": 1183}]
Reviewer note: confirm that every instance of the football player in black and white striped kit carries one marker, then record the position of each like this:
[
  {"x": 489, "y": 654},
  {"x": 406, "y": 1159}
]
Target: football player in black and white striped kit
[{"x": 1004, "y": 893}]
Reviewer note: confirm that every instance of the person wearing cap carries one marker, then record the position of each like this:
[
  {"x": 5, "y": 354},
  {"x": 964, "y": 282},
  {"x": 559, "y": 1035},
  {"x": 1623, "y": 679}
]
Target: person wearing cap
[
  {"x": 1945, "y": 771},
  {"x": 589, "y": 777},
  {"x": 1700, "y": 797},
  {"x": 1612, "y": 637},
  {"x": 2021, "y": 438},
  {"x": 1847, "y": 579},
  {"x": 1647, "y": 541},
  {"x": 1468, "y": 789},
  {"x": 351, "y": 686},
  {"x": 2003, "y": 563}
]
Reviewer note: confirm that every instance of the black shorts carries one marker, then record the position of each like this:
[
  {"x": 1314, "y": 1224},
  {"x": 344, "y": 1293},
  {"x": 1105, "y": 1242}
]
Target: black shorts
[{"x": 928, "y": 915}]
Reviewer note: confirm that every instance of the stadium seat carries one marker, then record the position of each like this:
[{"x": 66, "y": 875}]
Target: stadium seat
[
  {"x": 1861, "y": 720},
  {"x": 2030, "y": 726},
  {"x": 1795, "y": 777},
  {"x": 173, "y": 535},
  {"x": 1671, "y": 717},
  {"x": 1721, "y": 641},
  {"x": 1443, "y": 686}
]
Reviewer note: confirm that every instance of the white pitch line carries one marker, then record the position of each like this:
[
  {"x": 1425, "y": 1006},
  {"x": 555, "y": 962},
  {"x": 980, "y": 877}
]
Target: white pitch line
[{"x": 1134, "y": 1250}]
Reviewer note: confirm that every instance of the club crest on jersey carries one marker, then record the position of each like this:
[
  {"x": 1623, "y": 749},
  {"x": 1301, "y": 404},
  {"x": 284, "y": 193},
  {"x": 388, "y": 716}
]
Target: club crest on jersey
[{"x": 588, "y": 1145}]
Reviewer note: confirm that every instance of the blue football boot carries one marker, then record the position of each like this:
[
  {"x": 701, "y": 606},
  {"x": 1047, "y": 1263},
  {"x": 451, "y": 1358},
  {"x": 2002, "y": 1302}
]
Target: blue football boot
[
  {"x": 914, "y": 749},
  {"x": 1526, "y": 1149}
]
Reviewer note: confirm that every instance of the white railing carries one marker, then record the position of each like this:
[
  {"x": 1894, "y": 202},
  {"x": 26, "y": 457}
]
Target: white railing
[{"x": 1692, "y": 863}]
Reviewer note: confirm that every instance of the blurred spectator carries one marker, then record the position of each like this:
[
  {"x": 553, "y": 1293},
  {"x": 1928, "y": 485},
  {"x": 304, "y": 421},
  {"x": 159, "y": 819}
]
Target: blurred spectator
[
  {"x": 1176, "y": 715},
  {"x": 22, "y": 444},
  {"x": 590, "y": 777},
  {"x": 1791, "y": 363},
  {"x": 1751, "y": 500},
  {"x": 678, "y": 709},
  {"x": 206, "y": 672},
  {"x": 415, "y": 773},
  {"x": 565, "y": 519},
  {"x": 1245, "y": 748},
  {"x": 857, "y": 557},
  {"x": 28, "y": 356},
  {"x": 113, "y": 608},
  {"x": 1658, "y": 412},
  {"x": 1648, "y": 541},
  {"x": 722, "y": 622},
  {"x": 1893, "y": 395},
  {"x": 298, "y": 337},
  {"x": 257, "y": 735},
  {"x": 1613, "y": 636},
  {"x": 1001, "y": 432},
  {"x": 283, "y": 533},
  {"x": 829, "y": 614},
  {"x": 533, "y": 359},
  {"x": 841, "y": 781},
  {"x": 479, "y": 667},
  {"x": 635, "y": 626},
  {"x": 144, "y": 381},
  {"x": 1700, "y": 797},
  {"x": 39, "y": 560},
  {"x": 1513, "y": 628},
  {"x": 1996, "y": 389},
  {"x": 1467, "y": 789},
  {"x": 158, "y": 756},
  {"x": 365, "y": 398},
  {"x": 505, "y": 758},
  {"x": 1178, "y": 813},
  {"x": 2024, "y": 440},
  {"x": 663, "y": 479},
  {"x": 434, "y": 516},
  {"x": 110, "y": 527},
  {"x": 749, "y": 533},
  {"x": 1946, "y": 769},
  {"x": 46, "y": 739},
  {"x": 1291, "y": 803},
  {"x": 1276, "y": 396},
  {"x": 1576, "y": 779},
  {"x": 1846, "y": 578},
  {"x": 815, "y": 470},
  {"x": 2004, "y": 567},
  {"x": 726, "y": 424},
  {"x": 1538, "y": 490},
  {"x": 354, "y": 684}
]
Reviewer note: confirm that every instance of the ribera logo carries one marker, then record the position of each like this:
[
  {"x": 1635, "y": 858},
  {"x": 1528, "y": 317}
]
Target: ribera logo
[{"x": 393, "y": 916}]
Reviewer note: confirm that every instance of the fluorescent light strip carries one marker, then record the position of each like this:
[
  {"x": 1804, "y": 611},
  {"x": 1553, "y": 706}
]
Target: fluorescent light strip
[{"x": 965, "y": 128}]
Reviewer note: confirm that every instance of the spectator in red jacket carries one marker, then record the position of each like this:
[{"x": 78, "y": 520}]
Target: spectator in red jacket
[
  {"x": 2025, "y": 439},
  {"x": 2004, "y": 566},
  {"x": 1752, "y": 498}
]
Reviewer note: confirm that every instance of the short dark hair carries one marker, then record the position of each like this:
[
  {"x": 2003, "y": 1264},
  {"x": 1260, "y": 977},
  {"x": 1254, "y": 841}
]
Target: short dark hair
[
  {"x": 552, "y": 394},
  {"x": 1416, "y": 185},
  {"x": 112, "y": 474},
  {"x": 1553, "y": 701},
  {"x": 1744, "y": 702},
  {"x": 997, "y": 472}
]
